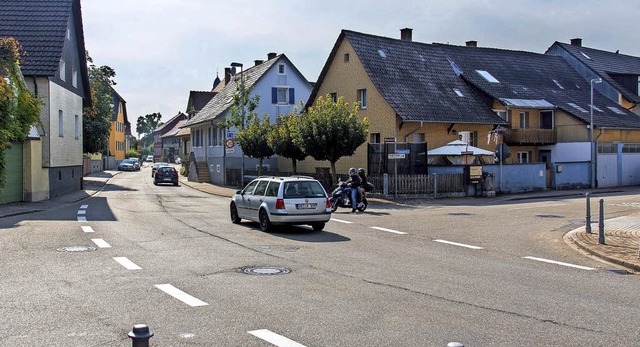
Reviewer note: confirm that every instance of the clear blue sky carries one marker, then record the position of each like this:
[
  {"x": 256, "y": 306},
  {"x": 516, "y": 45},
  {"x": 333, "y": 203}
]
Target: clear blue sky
[{"x": 162, "y": 49}]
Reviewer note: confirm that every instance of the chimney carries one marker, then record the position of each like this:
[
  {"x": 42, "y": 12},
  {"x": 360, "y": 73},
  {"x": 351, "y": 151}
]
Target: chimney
[
  {"x": 258, "y": 62},
  {"x": 576, "y": 42},
  {"x": 405, "y": 34},
  {"x": 471, "y": 43},
  {"x": 227, "y": 75},
  {"x": 271, "y": 55}
]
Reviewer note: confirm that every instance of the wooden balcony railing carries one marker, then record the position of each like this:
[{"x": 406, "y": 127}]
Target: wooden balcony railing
[{"x": 530, "y": 136}]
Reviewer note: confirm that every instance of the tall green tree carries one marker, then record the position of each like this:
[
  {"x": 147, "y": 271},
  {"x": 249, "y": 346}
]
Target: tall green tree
[
  {"x": 253, "y": 139},
  {"x": 19, "y": 108},
  {"x": 280, "y": 138},
  {"x": 331, "y": 130},
  {"x": 96, "y": 123},
  {"x": 147, "y": 125}
]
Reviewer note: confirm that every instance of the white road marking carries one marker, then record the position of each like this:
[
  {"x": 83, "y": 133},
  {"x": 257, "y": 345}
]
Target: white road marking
[
  {"x": 274, "y": 339},
  {"x": 87, "y": 229},
  {"x": 84, "y": 207},
  {"x": 458, "y": 244},
  {"x": 535, "y": 206},
  {"x": 82, "y": 212},
  {"x": 128, "y": 264},
  {"x": 82, "y": 219},
  {"x": 180, "y": 295},
  {"x": 101, "y": 243},
  {"x": 559, "y": 263},
  {"x": 341, "y": 221},
  {"x": 390, "y": 230}
]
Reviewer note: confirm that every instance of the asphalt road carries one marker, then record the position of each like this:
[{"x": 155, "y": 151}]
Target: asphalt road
[{"x": 475, "y": 271}]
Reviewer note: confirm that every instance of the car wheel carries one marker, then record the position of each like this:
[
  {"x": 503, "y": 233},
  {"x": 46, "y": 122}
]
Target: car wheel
[
  {"x": 363, "y": 206},
  {"x": 155, "y": 183},
  {"x": 317, "y": 226},
  {"x": 265, "y": 224},
  {"x": 235, "y": 219}
]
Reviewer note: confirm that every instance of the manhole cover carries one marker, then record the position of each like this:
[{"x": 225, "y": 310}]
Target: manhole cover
[
  {"x": 461, "y": 214},
  {"x": 549, "y": 216},
  {"x": 76, "y": 249},
  {"x": 264, "y": 270}
]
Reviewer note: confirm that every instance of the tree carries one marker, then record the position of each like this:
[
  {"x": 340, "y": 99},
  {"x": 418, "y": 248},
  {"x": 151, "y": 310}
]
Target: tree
[
  {"x": 147, "y": 125},
  {"x": 331, "y": 130},
  {"x": 19, "y": 108},
  {"x": 253, "y": 140},
  {"x": 280, "y": 138},
  {"x": 96, "y": 123}
]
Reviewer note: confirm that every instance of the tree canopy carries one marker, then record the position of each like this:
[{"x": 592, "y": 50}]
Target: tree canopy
[
  {"x": 147, "y": 125},
  {"x": 19, "y": 108},
  {"x": 96, "y": 124},
  {"x": 280, "y": 138},
  {"x": 253, "y": 139},
  {"x": 331, "y": 130}
]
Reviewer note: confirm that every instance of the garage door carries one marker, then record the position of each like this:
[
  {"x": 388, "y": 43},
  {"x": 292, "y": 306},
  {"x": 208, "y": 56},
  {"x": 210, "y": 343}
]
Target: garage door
[{"x": 12, "y": 190}]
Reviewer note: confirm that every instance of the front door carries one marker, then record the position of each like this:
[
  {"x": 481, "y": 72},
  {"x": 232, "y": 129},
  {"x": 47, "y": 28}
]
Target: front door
[{"x": 545, "y": 157}]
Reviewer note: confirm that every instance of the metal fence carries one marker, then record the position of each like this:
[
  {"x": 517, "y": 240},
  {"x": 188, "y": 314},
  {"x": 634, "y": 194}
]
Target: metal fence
[{"x": 419, "y": 184}]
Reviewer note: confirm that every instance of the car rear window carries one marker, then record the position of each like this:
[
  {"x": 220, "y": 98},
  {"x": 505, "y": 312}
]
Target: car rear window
[
  {"x": 166, "y": 169},
  {"x": 303, "y": 189}
]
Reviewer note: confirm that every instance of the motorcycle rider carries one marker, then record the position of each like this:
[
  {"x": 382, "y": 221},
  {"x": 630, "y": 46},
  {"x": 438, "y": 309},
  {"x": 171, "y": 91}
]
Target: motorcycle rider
[
  {"x": 363, "y": 184},
  {"x": 354, "y": 183}
]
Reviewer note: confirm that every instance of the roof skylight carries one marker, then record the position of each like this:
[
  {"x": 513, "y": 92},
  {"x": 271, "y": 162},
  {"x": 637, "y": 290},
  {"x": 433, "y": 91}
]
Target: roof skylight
[
  {"x": 586, "y": 56},
  {"x": 578, "y": 107},
  {"x": 487, "y": 76},
  {"x": 597, "y": 109},
  {"x": 616, "y": 110},
  {"x": 458, "y": 92},
  {"x": 382, "y": 54},
  {"x": 558, "y": 84}
]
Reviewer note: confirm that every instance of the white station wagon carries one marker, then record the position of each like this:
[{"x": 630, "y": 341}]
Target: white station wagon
[{"x": 291, "y": 200}]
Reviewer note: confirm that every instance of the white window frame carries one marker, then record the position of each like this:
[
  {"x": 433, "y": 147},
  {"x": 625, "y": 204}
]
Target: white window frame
[
  {"x": 74, "y": 78},
  {"x": 524, "y": 120},
  {"x": 63, "y": 70},
  {"x": 77, "y": 127},
  {"x": 362, "y": 97},
  {"x": 282, "y": 69},
  {"x": 60, "y": 123},
  {"x": 523, "y": 157}
]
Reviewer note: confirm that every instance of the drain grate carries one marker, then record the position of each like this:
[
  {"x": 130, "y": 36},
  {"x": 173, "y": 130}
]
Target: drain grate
[
  {"x": 264, "y": 270},
  {"x": 75, "y": 249},
  {"x": 461, "y": 214},
  {"x": 549, "y": 216}
]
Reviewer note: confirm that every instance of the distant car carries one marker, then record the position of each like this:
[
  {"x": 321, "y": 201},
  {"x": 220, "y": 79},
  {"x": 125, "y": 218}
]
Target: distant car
[
  {"x": 178, "y": 161},
  {"x": 156, "y": 166},
  {"x": 136, "y": 163},
  {"x": 149, "y": 159},
  {"x": 166, "y": 174},
  {"x": 282, "y": 200},
  {"x": 127, "y": 165}
]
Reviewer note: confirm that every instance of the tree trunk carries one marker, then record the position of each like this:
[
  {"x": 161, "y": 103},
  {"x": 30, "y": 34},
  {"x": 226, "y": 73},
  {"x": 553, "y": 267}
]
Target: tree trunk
[
  {"x": 294, "y": 166},
  {"x": 260, "y": 167}
]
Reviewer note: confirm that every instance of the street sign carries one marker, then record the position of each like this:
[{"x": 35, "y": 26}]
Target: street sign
[
  {"x": 396, "y": 156},
  {"x": 389, "y": 139},
  {"x": 402, "y": 151}
]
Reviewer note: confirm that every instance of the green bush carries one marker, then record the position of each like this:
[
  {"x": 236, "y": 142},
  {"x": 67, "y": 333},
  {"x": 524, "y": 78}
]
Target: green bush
[
  {"x": 182, "y": 170},
  {"x": 132, "y": 153}
]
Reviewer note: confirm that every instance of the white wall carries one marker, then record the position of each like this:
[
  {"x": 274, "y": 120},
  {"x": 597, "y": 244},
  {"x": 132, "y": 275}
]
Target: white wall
[
  {"x": 570, "y": 152},
  {"x": 66, "y": 150}
]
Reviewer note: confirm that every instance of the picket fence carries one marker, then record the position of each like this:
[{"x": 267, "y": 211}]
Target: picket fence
[{"x": 420, "y": 184}]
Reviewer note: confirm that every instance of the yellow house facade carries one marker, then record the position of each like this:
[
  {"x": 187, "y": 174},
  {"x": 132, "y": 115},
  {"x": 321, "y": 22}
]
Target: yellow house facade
[{"x": 117, "y": 139}]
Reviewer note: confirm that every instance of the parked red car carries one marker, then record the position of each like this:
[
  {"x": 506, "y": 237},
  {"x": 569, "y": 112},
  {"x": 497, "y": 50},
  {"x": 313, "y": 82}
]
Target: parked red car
[{"x": 166, "y": 174}]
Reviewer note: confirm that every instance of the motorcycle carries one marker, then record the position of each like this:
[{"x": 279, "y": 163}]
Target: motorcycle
[{"x": 341, "y": 197}]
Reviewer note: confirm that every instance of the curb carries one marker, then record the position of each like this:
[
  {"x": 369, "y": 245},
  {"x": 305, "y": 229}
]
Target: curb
[{"x": 571, "y": 234}]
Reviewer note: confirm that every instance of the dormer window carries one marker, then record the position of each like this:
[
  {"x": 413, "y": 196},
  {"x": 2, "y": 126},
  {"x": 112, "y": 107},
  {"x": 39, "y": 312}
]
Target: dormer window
[
  {"x": 487, "y": 76},
  {"x": 63, "y": 69}
]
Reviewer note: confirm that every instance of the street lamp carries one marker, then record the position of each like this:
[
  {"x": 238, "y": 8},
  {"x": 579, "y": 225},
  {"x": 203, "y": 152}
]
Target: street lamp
[
  {"x": 593, "y": 150},
  {"x": 234, "y": 65}
]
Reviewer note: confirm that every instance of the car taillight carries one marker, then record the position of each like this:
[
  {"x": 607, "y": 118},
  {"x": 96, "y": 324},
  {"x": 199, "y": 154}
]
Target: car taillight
[
  {"x": 280, "y": 204},
  {"x": 328, "y": 203}
]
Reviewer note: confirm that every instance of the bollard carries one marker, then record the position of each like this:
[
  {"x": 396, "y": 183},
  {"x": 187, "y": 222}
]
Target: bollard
[
  {"x": 140, "y": 335},
  {"x": 435, "y": 185},
  {"x": 588, "y": 223},
  {"x": 601, "y": 223}
]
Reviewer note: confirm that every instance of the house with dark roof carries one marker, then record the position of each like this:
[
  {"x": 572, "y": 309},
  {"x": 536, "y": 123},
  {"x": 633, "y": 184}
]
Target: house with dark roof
[
  {"x": 197, "y": 100},
  {"x": 167, "y": 148},
  {"x": 617, "y": 77},
  {"x": 55, "y": 70},
  {"x": 410, "y": 94},
  {"x": 214, "y": 155}
]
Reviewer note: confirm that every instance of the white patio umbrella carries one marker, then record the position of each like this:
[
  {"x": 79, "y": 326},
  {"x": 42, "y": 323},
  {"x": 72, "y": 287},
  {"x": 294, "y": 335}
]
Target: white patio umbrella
[{"x": 459, "y": 153}]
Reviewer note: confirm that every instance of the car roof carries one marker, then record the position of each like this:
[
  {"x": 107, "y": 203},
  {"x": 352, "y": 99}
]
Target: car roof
[{"x": 286, "y": 178}]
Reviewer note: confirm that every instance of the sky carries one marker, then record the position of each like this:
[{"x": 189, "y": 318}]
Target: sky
[{"x": 162, "y": 49}]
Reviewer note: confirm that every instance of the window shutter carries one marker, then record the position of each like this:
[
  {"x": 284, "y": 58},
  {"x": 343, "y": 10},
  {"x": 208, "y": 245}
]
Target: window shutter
[
  {"x": 292, "y": 96},
  {"x": 274, "y": 95}
]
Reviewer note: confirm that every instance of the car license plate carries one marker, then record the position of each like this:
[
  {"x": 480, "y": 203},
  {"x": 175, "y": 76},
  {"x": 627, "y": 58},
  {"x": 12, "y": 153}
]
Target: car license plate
[
  {"x": 167, "y": 179},
  {"x": 305, "y": 206}
]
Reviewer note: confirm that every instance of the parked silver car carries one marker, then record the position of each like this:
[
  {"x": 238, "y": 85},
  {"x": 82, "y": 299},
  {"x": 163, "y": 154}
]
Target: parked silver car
[{"x": 282, "y": 200}]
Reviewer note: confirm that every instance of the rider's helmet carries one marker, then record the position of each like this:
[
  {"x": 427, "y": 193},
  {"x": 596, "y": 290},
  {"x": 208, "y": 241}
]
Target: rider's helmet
[
  {"x": 352, "y": 171},
  {"x": 361, "y": 171}
]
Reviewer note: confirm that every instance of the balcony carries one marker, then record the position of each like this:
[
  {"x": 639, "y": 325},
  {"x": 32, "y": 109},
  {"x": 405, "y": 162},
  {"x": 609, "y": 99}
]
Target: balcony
[{"x": 530, "y": 136}]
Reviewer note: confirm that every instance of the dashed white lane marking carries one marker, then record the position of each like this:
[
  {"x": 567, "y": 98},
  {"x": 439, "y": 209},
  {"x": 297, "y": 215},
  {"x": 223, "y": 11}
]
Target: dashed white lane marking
[
  {"x": 84, "y": 207},
  {"x": 180, "y": 295},
  {"x": 274, "y": 339},
  {"x": 82, "y": 212},
  {"x": 559, "y": 263},
  {"x": 458, "y": 244},
  {"x": 341, "y": 221},
  {"x": 128, "y": 264},
  {"x": 82, "y": 219},
  {"x": 390, "y": 230},
  {"x": 535, "y": 206},
  {"x": 87, "y": 229},
  {"x": 101, "y": 243}
]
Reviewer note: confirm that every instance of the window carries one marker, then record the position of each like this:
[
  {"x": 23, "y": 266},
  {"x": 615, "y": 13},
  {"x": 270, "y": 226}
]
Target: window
[
  {"x": 458, "y": 92},
  {"x": 74, "y": 78},
  {"x": 375, "y": 138},
  {"x": 469, "y": 137},
  {"x": 273, "y": 188},
  {"x": 638, "y": 85},
  {"x": 282, "y": 95},
  {"x": 77, "y": 127},
  {"x": 523, "y": 157},
  {"x": 60, "y": 124},
  {"x": 249, "y": 189},
  {"x": 346, "y": 57},
  {"x": 524, "y": 120},
  {"x": 487, "y": 76},
  {"x": 260, "y": 189},
  {"x": 281, "y": 69},
  {"x": 68, "y": 34},
  {"x": 62, "y": 70},
  {"x": 418, "y": 138},
  {"x": 362, "y": 97},
  {"x": 334, "y": 97}
]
